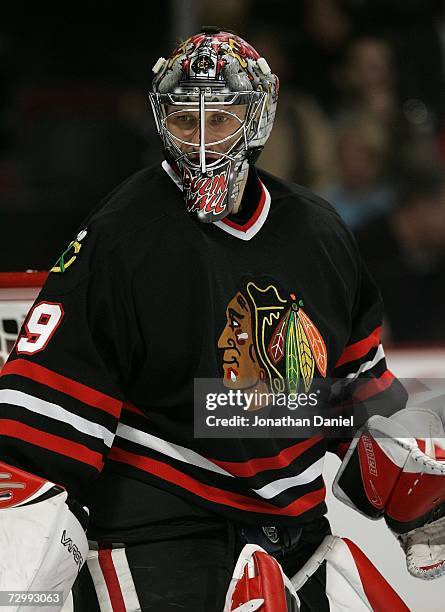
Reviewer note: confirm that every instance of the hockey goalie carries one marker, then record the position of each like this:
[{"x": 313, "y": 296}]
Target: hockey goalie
[{"x": 206, "y": 267}]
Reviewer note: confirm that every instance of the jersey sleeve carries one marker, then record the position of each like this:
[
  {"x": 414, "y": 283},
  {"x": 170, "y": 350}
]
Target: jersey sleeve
[
  {"x": 61, "y": 390},
  {"x": 362, "y": 383}
]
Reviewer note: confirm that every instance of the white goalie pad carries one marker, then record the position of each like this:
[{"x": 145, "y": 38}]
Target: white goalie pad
[
  {"x": 42, "y": 543},
  {"x": 352, "y": 581}
]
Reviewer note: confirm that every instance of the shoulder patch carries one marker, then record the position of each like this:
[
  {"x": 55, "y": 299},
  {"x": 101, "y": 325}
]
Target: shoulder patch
[{"x": 70, "y": 254}]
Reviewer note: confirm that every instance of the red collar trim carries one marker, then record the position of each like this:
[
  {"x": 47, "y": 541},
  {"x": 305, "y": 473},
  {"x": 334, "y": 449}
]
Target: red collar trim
[
  {"x": 249, "y": 229},
  {"x": 253, "y": 218}
]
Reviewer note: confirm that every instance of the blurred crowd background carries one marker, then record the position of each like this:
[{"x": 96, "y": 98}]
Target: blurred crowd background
[{"x": 361, "y": 121}]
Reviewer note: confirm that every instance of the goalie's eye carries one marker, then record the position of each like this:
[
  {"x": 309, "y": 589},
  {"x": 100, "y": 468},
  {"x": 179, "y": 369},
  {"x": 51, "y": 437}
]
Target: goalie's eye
[
  {"x": 184, "y": 121},
  {"x": 219, "y": 118}
]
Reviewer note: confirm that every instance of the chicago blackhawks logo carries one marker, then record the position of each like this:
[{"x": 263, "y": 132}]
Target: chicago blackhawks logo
[
  {"x": 206, "y": 194},
  {"x": 270, "y": 343}
]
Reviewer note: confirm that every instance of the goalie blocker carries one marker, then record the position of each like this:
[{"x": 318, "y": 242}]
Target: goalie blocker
[
  {"x": 42, "y": 535},
  {"x": 388, "y": 472}
]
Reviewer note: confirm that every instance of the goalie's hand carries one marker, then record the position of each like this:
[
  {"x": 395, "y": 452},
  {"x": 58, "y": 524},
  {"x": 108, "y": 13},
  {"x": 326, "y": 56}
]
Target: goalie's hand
[
  {"x": 396, "y": 468},
  {"x": 424, "y": 545}
]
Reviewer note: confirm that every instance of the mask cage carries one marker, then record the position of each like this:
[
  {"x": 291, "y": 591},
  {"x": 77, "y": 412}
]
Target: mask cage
[{"x": 201, "y": 101}]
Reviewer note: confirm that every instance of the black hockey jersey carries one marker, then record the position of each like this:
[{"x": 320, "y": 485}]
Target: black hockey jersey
[{"x": 146, "y": 299}]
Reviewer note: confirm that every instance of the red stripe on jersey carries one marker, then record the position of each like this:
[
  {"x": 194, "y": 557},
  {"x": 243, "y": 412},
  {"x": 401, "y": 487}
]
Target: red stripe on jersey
[
  {"x": 254, "y": 466},
  {"x": 111, "y": 580},
  {"x": 128, "y": 406},
  {"x": 50, "y": 442},
  {"x": 214, "y": 494},
  {"x": 374, "y": 386},
  {"x": 380, "y": 594},
  {"x": 253, "y": 218},
  {"x": 361, "y": 348},
  {"x": 70, "y": 387}
]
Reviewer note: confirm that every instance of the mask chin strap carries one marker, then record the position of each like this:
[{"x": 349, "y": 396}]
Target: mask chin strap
[{"x": 202, "y": 143}]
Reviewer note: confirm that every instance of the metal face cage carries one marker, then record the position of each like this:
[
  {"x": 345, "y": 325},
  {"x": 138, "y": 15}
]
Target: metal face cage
[{"x": 202, "y": 156}]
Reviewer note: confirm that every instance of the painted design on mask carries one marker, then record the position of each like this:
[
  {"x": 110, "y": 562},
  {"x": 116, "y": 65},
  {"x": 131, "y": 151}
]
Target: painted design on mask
[{"x": 206, "y": 195}]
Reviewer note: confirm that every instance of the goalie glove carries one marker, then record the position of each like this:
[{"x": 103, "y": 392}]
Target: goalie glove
[
  {"x": 425, "y": 550},
  {"x": 42, "y": 534},
  {"x": 388, "y": 472},
  {"x": 259, "y": 583}
]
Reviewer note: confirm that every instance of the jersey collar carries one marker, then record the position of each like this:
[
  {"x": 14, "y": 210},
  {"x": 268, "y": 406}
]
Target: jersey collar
[{"x": 249, "y": 228}]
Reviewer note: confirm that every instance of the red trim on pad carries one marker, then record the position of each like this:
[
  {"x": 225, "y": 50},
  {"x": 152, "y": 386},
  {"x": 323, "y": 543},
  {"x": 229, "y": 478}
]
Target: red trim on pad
[{"x": 380, "y": 594}]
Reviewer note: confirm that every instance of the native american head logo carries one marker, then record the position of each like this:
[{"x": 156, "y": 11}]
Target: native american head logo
[{"x": 270, "y": 344}]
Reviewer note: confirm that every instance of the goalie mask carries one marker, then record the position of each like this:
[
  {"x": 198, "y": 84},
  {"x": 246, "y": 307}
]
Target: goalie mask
[{"x": 214, "y": 103}]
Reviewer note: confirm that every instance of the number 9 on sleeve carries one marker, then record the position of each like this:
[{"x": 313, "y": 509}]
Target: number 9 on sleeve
[{"x": 42, "y": 321}]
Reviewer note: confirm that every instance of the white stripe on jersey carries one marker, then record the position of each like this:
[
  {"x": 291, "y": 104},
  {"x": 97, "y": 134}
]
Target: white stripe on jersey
[
  {"x": 186, "y": 455},
  {"x": 97, "y": 576},
  {"x": 56, "y": 412},
  {"x": 120, "y": 562},
  {"x": 337, "y": 387},
  {"x": 278, "y": 486},
  {"x": 175, "y": 451},
  {"x": 367, "y": 365}
]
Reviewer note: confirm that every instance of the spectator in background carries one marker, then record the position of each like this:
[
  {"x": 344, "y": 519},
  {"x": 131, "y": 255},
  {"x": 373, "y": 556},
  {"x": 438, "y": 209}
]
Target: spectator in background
[
  {"x": 419, "y": 46},
  {"x": 300, "y": 146},
  {"x": 362, "y": 189},
  {"x": 327, "y": 27},
  {"x": 359, "y": 82},
  {"x": 366, "y": 80},
  {"x": 405, "y": 251}
]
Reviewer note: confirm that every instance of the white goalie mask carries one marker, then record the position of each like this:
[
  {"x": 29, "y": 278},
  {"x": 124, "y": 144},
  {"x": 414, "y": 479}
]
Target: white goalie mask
[{"x": 214, "y": 102}]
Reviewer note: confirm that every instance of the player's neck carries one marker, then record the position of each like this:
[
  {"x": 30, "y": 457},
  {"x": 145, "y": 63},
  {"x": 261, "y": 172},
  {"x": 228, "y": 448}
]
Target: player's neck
[{"x": 238, "y": 204}]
